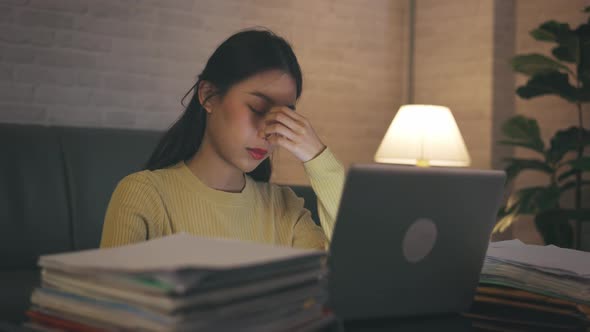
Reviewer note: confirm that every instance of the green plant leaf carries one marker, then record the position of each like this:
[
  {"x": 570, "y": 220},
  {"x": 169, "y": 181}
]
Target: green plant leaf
[
  {"x": 555, "y": 228},
  {"x": 565, "y": 141},
  {"x": 548, "y": 198},
  {"x": 550, "y": 83},
  {"x": 581, "y": 164},
  {"x": 584, "y": 92},
  {"x": 526, "y": 201},
  {"x": 506, "y": 215},
  {"x": 571, "y": 185},
  {"x": 517, "y": 165},
  {"x": 562, "y": 53},
  {"x": 533, "y": 64},
  {"x": 554, "y": 225},
  {"x": 523, "y": 131},
  {"x": 577, "y": 165},
  {"x": 550, "y": 31},
  {"x": 578, "y": 214},
  {"x": 563, "y": 176},
  {"x": 504, "y": 222},
  {"x": 520, "y": 144},
  {"x": 567, "y": 48},
  {"x": 583, "y": 70},
  {"x": 533, "y": 200}
]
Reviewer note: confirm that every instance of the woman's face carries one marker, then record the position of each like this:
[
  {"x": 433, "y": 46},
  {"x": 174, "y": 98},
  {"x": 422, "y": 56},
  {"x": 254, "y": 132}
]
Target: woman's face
[{"x": 235, "y": 119}]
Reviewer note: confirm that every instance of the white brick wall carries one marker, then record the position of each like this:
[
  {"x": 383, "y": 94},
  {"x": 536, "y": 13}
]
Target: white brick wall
[{"x": 118, "y": 63}]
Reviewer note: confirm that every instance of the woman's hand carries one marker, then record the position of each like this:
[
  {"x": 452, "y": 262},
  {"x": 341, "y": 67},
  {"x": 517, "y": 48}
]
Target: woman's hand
[{"x": 284, "y": 127}]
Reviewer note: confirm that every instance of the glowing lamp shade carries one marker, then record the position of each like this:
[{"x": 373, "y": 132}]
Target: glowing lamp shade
[{"x": 423, "y": 135}]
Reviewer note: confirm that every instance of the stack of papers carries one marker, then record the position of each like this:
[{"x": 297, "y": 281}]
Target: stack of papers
[
  {"x": 531, "y": 288},
  {"x": 547, "y": 270},
  {"x": 182, "y": 283}
]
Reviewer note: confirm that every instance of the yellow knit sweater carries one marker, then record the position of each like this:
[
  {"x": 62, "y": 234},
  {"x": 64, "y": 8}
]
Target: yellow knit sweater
[{"x": 150, "y": 204}]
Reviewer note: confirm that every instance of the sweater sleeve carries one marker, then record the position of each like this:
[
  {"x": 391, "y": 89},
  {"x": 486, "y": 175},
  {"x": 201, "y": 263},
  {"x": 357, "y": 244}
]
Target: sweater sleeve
[
  {"x": 305, "y": 233},
  {"x": 134, "y": 211},
  {"x": 326, "y": 175}
]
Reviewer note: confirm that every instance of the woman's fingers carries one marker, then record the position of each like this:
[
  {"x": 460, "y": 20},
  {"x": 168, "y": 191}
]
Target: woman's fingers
[
  {"x": 292, "y": 131},
  {"x": 282, "y": 141},
  {"x": 282, "y": 116},
  {"x": 278, "y": 128},
  {"x": 294, "y": 115}
]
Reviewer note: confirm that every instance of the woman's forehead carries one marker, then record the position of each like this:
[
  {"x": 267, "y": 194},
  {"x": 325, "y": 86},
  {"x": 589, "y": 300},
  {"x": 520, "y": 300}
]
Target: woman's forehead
[{"x": 277, "y": 85}]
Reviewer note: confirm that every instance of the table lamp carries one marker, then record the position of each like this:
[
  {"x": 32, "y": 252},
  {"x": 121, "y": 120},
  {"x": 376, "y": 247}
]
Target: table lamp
[{"x": 423, "y": 135}]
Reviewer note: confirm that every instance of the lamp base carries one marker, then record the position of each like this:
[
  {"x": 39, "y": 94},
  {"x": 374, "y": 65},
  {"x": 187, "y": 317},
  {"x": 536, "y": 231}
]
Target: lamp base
[{"x": 422, "y": 163}]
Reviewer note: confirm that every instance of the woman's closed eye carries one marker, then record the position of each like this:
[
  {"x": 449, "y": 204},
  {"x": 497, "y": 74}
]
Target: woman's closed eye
[{"x": 257, "y": 111}]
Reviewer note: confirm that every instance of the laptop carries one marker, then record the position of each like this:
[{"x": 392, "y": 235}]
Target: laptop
[{"x": 411, "y": 241}]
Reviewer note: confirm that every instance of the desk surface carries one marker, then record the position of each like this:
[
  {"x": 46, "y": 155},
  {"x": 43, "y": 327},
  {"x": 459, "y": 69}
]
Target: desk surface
[
  {"x": 455, "y": 323},
  {"x": 445, "y": 323}
]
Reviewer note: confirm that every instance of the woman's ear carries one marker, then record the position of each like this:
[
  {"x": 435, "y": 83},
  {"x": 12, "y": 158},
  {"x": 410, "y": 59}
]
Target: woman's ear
[{"x": 207, "y": 93}]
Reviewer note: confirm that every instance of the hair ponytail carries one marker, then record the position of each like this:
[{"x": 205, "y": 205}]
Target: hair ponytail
[{"x": 183, "y": 139}]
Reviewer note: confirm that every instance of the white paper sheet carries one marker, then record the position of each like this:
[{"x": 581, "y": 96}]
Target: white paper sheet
[
  {"x": 175, "y": 252},
  {"x": 547, "y": 258}
]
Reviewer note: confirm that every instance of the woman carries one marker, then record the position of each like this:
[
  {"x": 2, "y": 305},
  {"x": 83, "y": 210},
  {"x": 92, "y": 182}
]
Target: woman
[{"x": 209, "y": 174}]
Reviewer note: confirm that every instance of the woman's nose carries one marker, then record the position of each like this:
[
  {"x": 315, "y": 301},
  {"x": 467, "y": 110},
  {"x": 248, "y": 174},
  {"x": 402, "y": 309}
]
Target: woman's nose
[{"x": 260, "y": 130}]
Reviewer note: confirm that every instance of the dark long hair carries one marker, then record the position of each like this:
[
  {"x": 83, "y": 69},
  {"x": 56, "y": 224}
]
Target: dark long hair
[{"x": 241, "y": 56}]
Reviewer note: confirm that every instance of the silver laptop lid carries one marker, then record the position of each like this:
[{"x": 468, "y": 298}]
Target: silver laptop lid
[{"x": 411, "y": 241}]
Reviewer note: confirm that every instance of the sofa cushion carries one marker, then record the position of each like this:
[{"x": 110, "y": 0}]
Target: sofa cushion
[
  {"x": 16, "y": 287},
  {"x": 34, "y": 216},
  {"x": 95, "y": 160},
  {"x": 310, "y": 200}
]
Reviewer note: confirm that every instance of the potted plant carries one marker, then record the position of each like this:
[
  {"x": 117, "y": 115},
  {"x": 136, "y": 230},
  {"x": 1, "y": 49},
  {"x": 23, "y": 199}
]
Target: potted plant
[{"x": 566, "y": 74}]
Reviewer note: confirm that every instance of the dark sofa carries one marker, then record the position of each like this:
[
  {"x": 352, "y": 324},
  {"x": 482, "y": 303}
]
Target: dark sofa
[{"x": 55, "y": 184}]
